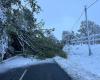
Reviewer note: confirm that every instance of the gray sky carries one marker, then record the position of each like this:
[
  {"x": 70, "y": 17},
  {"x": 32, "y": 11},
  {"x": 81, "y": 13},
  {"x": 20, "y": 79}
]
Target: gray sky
[{"x": 62, "y": 14}]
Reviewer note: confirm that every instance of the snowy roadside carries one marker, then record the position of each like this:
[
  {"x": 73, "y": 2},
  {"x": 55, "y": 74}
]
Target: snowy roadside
[
  {"x": 79, "y": 55},
  {"x": 19, "y": 61},
  {"x": 74, "y": 70},
  {"x": 79, "y": 65}
]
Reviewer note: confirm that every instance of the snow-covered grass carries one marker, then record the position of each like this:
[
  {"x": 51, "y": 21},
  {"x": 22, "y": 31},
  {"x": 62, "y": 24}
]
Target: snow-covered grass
[
  {"x": 79, "y": 65},
  {"x": 75, "y": 70},
  {"x": 89, "y": 63},
  {"x": 19, "y": 61},
  {"x": 83, "y": 49}
]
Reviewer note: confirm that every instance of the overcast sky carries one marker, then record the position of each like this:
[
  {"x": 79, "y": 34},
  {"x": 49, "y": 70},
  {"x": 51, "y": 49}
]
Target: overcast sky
[{"x": 62, "y": 14}]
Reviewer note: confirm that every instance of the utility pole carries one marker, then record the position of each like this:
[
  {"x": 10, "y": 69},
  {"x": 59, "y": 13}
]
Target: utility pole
[{"x": 88, "y": 35}]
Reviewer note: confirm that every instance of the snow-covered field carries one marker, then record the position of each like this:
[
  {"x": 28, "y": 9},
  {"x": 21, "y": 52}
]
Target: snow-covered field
[
  {"x": 79, "y": 65},
  {"x": 80, "y": 56}
]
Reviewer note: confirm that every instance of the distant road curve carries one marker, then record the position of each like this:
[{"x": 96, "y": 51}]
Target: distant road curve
[{"x": 47, "y": 71}]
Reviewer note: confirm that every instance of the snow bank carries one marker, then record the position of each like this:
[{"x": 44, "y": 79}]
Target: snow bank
[
  {"x": 89, "y": 63},
  {"x": 19, "y": 61},
  {"x": 79, "y": 64},
  {"x": 75, "y": 70}
]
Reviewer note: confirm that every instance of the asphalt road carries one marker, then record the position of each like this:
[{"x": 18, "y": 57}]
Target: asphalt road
[{"x": 50, "y": 71}]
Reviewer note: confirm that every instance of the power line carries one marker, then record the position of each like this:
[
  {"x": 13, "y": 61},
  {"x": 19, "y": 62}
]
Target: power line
[
  {"x": 92, "y": 4},
  {"x": 77, "y": 20},
  {"x": 83, "y": 14}
]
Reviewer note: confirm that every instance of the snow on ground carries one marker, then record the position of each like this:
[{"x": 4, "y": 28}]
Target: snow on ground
[
  {"x": 75, "y": 70},
  {"x": 83, "y": 49},
  {"x": 79, "y": 65},
  {"x": 19, "y": 61},
  {"x": 89, "y": 63}
]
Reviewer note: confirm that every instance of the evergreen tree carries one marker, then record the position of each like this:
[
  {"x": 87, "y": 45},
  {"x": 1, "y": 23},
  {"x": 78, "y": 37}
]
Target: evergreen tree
[{"x": 21, "y": 25}]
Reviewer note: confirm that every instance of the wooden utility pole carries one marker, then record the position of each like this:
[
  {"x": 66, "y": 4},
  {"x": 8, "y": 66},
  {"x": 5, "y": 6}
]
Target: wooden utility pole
[{"x": 88, "y": 34}]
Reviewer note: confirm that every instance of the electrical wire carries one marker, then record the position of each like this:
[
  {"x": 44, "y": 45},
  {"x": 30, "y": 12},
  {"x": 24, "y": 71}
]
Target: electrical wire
[
  {"x": 92, "y": 4},
  {"x": 77, "y": 20},
  {"x": 83, "y": 14}
]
